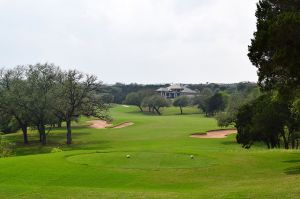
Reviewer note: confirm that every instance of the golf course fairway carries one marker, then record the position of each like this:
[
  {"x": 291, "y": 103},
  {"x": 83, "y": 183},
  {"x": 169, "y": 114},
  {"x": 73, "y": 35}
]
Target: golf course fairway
[{"x": 155, "y": 157}]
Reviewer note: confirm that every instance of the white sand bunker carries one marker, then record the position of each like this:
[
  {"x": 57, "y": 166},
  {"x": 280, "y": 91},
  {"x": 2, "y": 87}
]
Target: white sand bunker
[
  {"x": 101, "y": 124},
  {"x": 125, "y": 124},
  {"x": 214, "y": 134},
  {"x": 98, "y": 124}
]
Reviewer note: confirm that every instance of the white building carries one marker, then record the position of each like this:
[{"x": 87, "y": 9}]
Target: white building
[{"x": 175, "y": 90}]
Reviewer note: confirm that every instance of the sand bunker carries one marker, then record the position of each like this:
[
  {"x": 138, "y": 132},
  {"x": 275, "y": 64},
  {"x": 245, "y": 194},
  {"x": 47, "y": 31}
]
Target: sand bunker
[
  {"x": 101, "y": 124},
  {"x": 125, "y": 124},
  {"x": 214, "y": 134}
]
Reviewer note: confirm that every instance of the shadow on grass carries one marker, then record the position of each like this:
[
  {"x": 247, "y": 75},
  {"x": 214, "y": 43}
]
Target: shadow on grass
[
  {"x": 34, "y": 147},
  {"x": 81, "y": 141},
  {"x": 163, "y": 113},
  {"x": 292, "y": 161},
  {"x": 295, "y": 170},
  {"x": 292, "y": 170},
  {"x": 229, "y": 142}
]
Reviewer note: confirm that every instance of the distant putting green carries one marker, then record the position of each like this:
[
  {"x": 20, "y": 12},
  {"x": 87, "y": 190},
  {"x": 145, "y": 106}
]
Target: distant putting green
[{"x": 141, "y": 160}]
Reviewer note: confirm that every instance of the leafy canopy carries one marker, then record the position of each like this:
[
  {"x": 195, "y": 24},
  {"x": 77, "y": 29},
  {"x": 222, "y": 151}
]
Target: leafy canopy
[{"x": 274, "y": 50}]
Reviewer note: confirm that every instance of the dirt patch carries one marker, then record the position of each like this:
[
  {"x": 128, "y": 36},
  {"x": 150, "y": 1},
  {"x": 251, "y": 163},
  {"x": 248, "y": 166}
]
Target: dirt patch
[
  {"x": 214, "y": 134},
  {"x": 125, "y": 124},
  {"x": 99, "y": 124}
]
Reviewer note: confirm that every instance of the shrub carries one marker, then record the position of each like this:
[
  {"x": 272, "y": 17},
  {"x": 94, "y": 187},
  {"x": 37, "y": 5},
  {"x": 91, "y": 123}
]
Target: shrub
[
  {"x": 8, "y": 124},
  {"x": 225, "y": 119},
  {"x": 56, "y": 150},
  {"x": 7, "y": 148}
]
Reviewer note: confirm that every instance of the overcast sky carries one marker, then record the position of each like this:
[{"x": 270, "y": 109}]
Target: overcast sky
[{"x": 143, "y": 41}]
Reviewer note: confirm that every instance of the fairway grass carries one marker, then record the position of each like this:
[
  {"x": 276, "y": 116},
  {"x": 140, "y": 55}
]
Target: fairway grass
[
  {"x": 141, "y": 160},
  {"x": 160, "y": 165}
]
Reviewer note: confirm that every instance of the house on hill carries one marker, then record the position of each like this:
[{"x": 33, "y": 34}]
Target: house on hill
[{"x": 175, "y": 90}]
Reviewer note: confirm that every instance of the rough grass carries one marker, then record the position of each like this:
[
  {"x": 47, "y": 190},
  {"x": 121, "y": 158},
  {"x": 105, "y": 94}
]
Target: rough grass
[{"x": 95, "y": 166}]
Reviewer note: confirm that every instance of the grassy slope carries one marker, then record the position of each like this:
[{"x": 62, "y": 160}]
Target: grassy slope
[{"x": 222, "y": 170}]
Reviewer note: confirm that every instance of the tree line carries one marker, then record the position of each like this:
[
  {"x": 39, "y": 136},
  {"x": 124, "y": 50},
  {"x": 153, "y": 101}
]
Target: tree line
[
  {"x": 207, "y": 101},
  {"x": 117, "y": 92},
  {"x": 147, "y": 99},
  {"x": 42, "y": 96}
]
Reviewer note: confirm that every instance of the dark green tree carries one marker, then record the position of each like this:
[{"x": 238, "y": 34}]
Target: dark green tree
[
  {"x": 75, "y": 95},
  {"x": 236, "y": 101},
  {"x": 266, "y": 119},
  {"x": 147, "y": 102},
  {"x": 181, "y": 101},
  {"x": 202, "y": 100},
  {"x": 135, "y": 99},
  {"x": 14, "y": 100},
  {"x": 275, "y": 48},
  {"x": 42, "y": 80},
  {"x": 216, "y": 103},
  {"x": 159, "y": 102},
  {"x": 246, "y": 136},
  {"x": 155, "y": 103},
  {"x": 275, "y": 52},
  {"x": 8, "y": 124},
  {"x": 107, "y": 98}
]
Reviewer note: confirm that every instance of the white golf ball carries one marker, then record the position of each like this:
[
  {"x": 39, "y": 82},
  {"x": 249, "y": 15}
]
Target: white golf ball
[
  {"x": 127, "y": 156},
  {"x": 191, "y": 156}
]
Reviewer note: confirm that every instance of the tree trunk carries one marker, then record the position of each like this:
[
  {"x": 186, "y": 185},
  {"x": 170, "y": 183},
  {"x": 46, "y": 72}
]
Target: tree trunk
[
  {"x": 151, "y": 109},
  {"x": 286, "y": 144},
  {"x": 23, "y": 125},
  {"x": 59, "y": 124},
  {"x": 292, "y": 136},
  {"x": 44, "y": 141},
  {"x": 69, "y": 132},
  {"x": 157, "y": 110},
  {"x": 268, "y": 145},
  {"x": 181, "y": 110},
  {"x": 25, "y": 136},
  {"x": 40, "y": 134},
  {"x": 43, "y": 136},
  {"x": 141, "y": 108}
]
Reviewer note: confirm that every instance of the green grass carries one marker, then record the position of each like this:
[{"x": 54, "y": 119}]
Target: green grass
[
  {"x": 141, "y": 160},
  {"x": 95, "y": 166}
]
